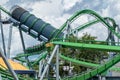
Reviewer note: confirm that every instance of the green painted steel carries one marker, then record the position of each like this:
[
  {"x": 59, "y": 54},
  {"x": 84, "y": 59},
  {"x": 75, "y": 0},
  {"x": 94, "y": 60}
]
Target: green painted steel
[
  {"x": 88, "y": 24},
  {"x": 42, "y": 56},
  {"x": 82, "y": 63},
  {"x": 5, "y": 74},
  {"x": 76, "y": 15},
  {"x": 100, "y": 69},
  {"x": 36, "y": 48},
  {"x": 43, "y": 52},
  {"x": 110, "y": 48},
  {"x": 92, "y": 13},
  {"x": 26, "y": 54},
  {"x": 4, "y": 10},
  {"x": 87, "y": 64},
  {"x": 88, "y": 46}
]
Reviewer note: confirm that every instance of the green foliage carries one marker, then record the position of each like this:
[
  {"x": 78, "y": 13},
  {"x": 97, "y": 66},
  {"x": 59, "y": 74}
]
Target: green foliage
[
  {"x": 94, "y": 56},
  {"x": 88, "y": 54}
]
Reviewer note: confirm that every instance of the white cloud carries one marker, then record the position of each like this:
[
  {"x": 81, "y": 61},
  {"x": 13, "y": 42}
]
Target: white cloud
[
  {"x": 16, "y": 46},
  {"x": 54, "y": 13},
  {"x": 117, "y": 18},
  {"x": 106, "y": 12},
  {"x": 68, "y": 4},
  {"x": 56, "y": 22},
  {"x": 45, "y": 8},
  {"x": 3, "y": 2}
]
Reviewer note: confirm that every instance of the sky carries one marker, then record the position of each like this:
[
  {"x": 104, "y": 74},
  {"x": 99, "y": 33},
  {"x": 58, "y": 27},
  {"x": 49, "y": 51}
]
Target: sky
[{"x": 56, "y": 12}]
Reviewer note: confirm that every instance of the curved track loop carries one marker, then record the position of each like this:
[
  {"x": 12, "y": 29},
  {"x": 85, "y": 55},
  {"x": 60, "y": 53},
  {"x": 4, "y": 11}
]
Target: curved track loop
[
  {"x": 105, "y": 66},
  {"x": 102, "y": 68},
  {"x": 94, "y": 14},
  {"x": 79, "y": 28},
  {"x": 86, "y": 64},
  {"x": 110, "y": 63}
]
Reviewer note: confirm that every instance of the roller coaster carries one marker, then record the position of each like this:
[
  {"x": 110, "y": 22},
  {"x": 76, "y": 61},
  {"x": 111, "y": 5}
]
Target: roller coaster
[{"x": 49, "y": 36}]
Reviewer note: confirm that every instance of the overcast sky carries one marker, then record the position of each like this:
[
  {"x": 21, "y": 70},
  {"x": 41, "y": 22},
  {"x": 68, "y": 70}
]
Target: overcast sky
[{"x": 56, "y": 12}]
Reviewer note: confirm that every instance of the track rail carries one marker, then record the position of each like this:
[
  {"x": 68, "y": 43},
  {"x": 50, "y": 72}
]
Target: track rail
[
  {"x": 100, "y": 69},
  {"x": 87, "y": 64}
]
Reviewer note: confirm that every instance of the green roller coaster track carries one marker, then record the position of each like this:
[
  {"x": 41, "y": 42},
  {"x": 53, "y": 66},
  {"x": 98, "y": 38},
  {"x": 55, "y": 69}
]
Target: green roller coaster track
[
  {"x": 6, "y": 75},
  {"x": 99, "y": 69},
  {"x": 94, "y": 22},
  {"x": 94, "y": 14},
  {"x": 91, "y": 46},
  {"x": 82, "y": 63},
  {"x": 42, "y": 56},
  {"x": 86, "y": 64},
  {"x": 102, "y": 68},
  {"x": 88, "y": 46}
]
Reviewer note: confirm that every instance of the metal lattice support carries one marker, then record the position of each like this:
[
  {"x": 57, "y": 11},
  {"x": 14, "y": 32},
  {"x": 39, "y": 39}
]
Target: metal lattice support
[
  {"x": 49, "y": 61},
  {"x": 42, "y": 30}
]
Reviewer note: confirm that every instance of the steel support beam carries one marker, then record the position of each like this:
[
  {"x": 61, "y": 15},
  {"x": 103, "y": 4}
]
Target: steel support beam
[
  {"x": 8, "y": 65},
  {"x": 2, "y": 34},
  {"x": 23, "y": 45},
  {"x": 49, "y": 61},
  {"x": 9, "y": 41},
  {"x": 57, "y": 64}
]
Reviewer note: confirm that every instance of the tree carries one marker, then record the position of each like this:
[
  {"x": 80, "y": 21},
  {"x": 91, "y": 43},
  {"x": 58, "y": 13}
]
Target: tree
[{"x": 94, "y": 56}]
